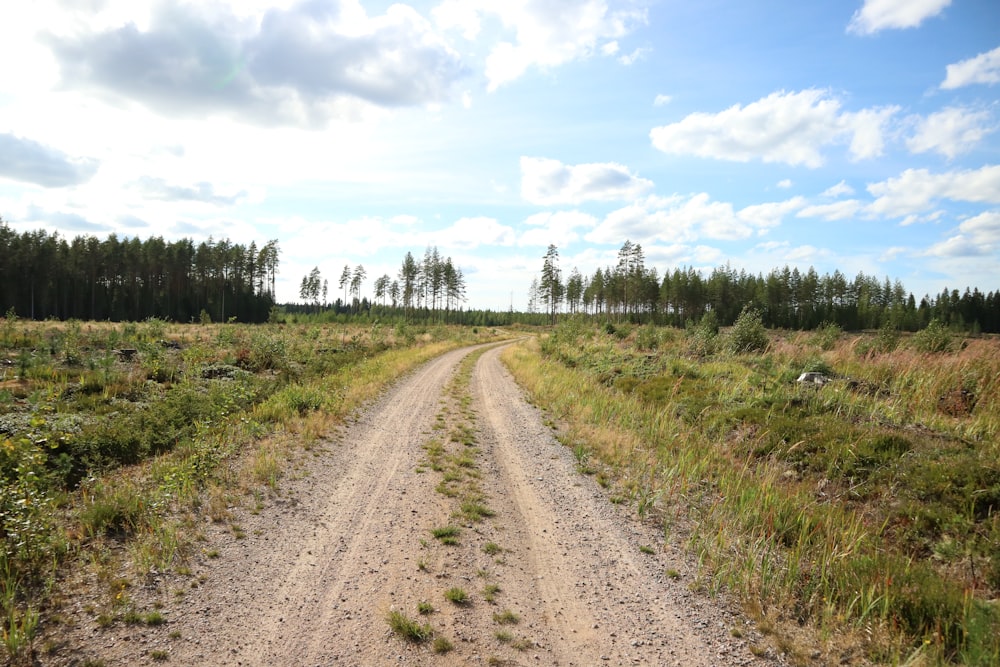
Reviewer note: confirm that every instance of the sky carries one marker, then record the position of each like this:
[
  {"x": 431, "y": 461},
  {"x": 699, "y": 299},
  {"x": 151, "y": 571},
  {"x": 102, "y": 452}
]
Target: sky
[{"x": 859, "y": 135}]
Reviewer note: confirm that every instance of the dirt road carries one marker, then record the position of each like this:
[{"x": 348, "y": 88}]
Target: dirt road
[{"x": 554, "y": 574}]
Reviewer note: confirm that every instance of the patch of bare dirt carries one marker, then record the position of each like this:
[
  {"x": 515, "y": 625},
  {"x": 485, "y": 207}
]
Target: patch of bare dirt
[{"x": 348, "y": 539}]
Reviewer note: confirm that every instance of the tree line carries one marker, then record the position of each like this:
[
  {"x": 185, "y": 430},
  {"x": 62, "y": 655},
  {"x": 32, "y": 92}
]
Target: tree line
[
  {"x": 433, "y": 288},
  {"x": 786, "y": 297},
  {"x": 44, "y": 275}
]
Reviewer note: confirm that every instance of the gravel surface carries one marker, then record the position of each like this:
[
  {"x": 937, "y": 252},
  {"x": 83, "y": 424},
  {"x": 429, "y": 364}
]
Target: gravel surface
[{"x": 347, "y": 540}]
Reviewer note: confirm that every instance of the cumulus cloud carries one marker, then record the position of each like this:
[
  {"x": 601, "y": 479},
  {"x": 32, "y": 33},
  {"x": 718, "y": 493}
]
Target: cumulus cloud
[
  {"x": 468, "y": 233},
  {"x": 984, "y": 68},
  {"x": 791, "y": 128},
  {"x": 158, "y": 188},
  {"x": 298, "y": 65},
  {"x": 559, "y": 227},
  {"x": 629, "y": 59},
  {"x": 31, "y": 162},
  {"x": 876, "y": 15},
  {"x": 547, "y": 182},
  {"x": 976, "y": 237},
  {"x": 540, "y": 35},
  {"x": 684, "y": 219},
  {"x": 65, "y": 221},
  {"x": 785, "y": 183},
  {"x": 662, "y": 100},
  {"x": 841, "y": 210},
  {"x": 950, "y": 131},
  {"x": 916, "y": 190},
  {"x": 770, "y": 214},
  {"x": 838, "y": 190}
]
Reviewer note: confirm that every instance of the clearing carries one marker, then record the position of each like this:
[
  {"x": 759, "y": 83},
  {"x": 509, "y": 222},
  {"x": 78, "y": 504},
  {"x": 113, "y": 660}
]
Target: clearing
[{"x": 547, "y": 570}]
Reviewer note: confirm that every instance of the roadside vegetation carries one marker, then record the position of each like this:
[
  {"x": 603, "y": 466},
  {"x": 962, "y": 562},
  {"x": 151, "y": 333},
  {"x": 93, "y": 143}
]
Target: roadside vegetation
[
  {"x": 857, "y": 515},
  {"x": 117, "y": 440}
]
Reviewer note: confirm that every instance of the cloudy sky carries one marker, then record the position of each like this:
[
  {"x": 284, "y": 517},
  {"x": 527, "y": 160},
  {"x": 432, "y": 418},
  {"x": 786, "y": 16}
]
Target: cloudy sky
[{"x": 859, "y": 135}]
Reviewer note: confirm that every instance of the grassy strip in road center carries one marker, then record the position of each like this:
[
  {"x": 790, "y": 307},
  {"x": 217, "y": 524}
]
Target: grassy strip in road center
[{"x": 454, "y": 453}]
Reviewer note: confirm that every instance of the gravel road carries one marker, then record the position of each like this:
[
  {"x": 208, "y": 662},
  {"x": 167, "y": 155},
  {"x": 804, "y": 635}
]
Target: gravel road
[{"x": 347, "y": 540}]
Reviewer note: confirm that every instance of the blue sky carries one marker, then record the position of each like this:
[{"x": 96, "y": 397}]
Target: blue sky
[{"x": 858, "y": 135}]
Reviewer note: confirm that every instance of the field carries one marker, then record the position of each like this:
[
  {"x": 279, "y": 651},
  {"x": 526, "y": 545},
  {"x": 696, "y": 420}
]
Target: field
[
  {"x": 859, "y": 515},
  {"x": 113, "y": 437},
  {"x": 145, "y": 467}
]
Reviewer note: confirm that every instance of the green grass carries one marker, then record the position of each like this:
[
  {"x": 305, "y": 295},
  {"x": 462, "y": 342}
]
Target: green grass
[
  {"x": 447, "y": 535},
  {"x": 492, "y": 549},
  {"x": 490, "y": 591},
  {"x": 871, "y": 503},
  {"x": 441, "y": 645},
  {"x": 107, "y": 448},
  {"x": 506, "y": 617},
  {"x": 154, "y": 618},
  {"x": 457, "y": 595},
  {"x": 409, "y": 629},
  {"x": 475, "y": 511}
]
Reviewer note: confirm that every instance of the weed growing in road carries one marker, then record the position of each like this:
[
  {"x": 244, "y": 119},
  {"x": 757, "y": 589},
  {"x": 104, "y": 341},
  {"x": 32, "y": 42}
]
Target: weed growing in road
[
  {"x": 506, "y": 617},
  {"x": 447, "y": 534},
  {"x": 475, "y": 511},
  {"x": 647, "y": 549},
  {"x": 457, "y": 596},
  {"x": 424, "y": 608},
  {"x": 492, "y": 548},
  {"x": 490, "y": 591},
  {"x": 441, "y": 645},
  {"x": 408, "y": 628}
]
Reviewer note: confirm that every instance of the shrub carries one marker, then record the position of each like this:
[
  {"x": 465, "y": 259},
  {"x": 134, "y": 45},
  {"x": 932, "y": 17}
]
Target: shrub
[
  {"x": 748, "y": 333},
  {"x": 934, "y": 338},
  {"x": 826, "y": 336},
  {"x": 648, "y": 338},
  {"x": 703, "y": 337}
]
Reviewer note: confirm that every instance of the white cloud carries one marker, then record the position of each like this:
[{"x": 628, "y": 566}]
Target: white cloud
[
  {"x": 785, "y": 183},
  {"x": 878, "y": 15},
  {"x": 549, "y": 34},
  {"x": 28, "y": 161},
  {"x": 984, "y": 68},
  {"x": 631, "y": 58},
  {"x": 783, "y": 127},
  {"x": 867, "y": 128},
  {"x": 804, "y": 253},
  {"x": 841, "y": 210},
  {"x": 300, "y": 65},
  {"x": 682, "y": 219},
  {"x": 560, "y": 228},
  {"x": 838, "y": 190},
  {"x": 610, "y": 49},
  {"x": 548, "y": 182},
  {"x": 643, "y": 224},
  {"x": 467, "y": 233},
  {"x": 977, "y": 237},
  {"x": 662, "y": 100},
  {"x": 770, "y": 214},
  {"x": 950, "y": 131},
  {"x": 892, "y": 253},
  {"x": 204, "y": 192},
  {"x": 460, "y": 15},
  {"x": 915, "y": 190}
]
